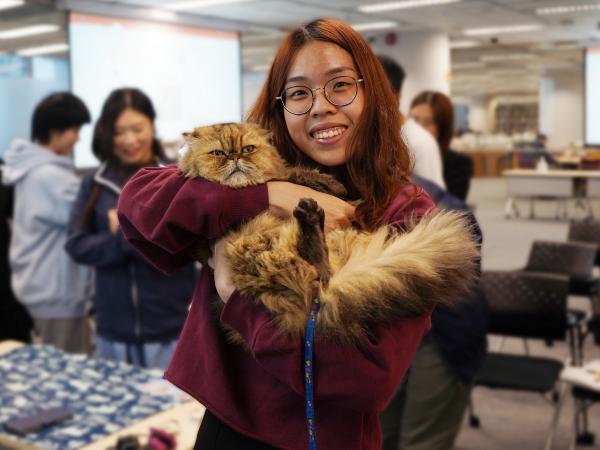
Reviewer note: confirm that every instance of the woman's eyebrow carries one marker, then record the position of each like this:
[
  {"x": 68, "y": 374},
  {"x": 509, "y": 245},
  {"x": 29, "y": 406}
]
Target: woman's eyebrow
[{"x": 329, "y": 72}]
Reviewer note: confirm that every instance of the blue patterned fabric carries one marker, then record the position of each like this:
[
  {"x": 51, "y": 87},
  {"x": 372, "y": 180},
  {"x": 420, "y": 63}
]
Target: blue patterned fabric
[{"x": 104, "y": 395}]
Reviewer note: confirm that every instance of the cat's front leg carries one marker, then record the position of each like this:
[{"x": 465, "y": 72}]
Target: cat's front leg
[{"x": 311, "y": 238}]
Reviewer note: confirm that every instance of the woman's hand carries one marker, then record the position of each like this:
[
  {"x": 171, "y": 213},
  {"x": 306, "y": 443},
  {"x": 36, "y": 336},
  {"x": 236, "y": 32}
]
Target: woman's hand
[
  {"x": 284, "y": 196},
  {"x": 218, "y": 262},
  {"x": 113, "y": 221}
]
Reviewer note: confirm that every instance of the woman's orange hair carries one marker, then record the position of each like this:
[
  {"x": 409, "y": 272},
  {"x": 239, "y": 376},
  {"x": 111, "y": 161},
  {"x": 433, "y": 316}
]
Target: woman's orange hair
[{"x": 378, "y": 161}]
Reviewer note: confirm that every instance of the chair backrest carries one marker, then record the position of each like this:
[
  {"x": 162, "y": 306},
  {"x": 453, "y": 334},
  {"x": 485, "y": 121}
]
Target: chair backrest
[
  {"x": 574, "y": 259},
  {"x": 526, "y": 304},
  {"x": 587, "y": 230}
]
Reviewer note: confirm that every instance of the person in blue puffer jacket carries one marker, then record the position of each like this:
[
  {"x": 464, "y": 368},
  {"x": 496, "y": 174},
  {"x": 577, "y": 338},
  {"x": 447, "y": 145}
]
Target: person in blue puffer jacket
[{"x": 139, "y": 310}]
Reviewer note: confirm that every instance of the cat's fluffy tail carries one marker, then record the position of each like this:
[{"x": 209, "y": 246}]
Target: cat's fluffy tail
[{"x": 390, "y": 275}]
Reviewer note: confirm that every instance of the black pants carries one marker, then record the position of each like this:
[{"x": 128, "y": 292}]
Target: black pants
[{"x": 215, "y": 435}]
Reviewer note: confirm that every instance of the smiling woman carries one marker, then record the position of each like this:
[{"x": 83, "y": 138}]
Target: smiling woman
[
  {"x": 328, "y": 105},
  {"x": 139, "y": 310}
]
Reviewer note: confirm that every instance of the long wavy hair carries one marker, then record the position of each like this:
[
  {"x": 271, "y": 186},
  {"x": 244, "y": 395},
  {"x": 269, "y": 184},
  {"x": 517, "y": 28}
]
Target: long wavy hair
[{"x": 378, "y": 162}]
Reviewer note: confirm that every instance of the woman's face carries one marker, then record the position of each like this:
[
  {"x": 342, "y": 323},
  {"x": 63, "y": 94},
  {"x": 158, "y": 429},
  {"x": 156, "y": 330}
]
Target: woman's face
[
  {"x": 132, "y": 141},
  {"x": 423, "y": 114},
  {"x": 322, "y": 133}
]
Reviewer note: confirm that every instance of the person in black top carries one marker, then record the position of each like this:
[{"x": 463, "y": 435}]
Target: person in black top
[
  {"x": 15, "y": 322},
  {"x": 434, "y": 112}
]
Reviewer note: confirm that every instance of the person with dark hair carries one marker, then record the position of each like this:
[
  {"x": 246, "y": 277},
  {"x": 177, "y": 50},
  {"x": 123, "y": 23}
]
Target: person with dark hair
[
  {"x": 327, "y": 103},
  {"x": 53, "y": 288},
  {"x": 434, "y": 112},
  {"x": 424, "y": 150},
  {"x": 139, "y": 310}
]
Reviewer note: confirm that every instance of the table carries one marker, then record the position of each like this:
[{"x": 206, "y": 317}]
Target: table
[
  {"x": 556, "y": 185},
  {"x": 183, "y": 419}
]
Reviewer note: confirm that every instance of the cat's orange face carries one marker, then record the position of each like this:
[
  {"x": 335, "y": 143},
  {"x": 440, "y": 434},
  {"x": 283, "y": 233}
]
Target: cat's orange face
[{"x": 232, "y": 154}]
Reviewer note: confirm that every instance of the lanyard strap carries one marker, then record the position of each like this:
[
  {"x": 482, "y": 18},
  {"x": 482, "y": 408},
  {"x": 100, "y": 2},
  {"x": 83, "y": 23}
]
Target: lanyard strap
[{"x": 308, "y": 375}]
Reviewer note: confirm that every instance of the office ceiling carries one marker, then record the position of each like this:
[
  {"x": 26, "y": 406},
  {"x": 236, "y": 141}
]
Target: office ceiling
[{"x": 486, "y": 67}]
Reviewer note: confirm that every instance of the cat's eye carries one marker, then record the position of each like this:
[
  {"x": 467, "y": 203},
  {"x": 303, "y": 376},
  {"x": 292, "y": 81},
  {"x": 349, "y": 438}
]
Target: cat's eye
[
  {"x": 217, "y": 153},
  {"x": 248, "y": 149}
]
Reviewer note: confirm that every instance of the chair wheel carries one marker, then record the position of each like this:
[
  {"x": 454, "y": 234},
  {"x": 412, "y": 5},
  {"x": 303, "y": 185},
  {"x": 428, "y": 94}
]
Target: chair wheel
[
  {"x": 586, "y": 438},
  {"x": 474, "y": 421}
]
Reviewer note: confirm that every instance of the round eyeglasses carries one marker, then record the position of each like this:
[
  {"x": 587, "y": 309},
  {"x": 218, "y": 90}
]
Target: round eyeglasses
[{"x": 339, "y": 91}]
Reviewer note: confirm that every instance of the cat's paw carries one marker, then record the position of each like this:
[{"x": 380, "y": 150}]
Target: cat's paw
[{"x": 309, "y": 213}]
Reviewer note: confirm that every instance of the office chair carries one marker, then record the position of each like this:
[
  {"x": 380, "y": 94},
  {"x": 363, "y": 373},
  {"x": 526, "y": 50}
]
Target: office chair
[{"x": 529, "y": 305}]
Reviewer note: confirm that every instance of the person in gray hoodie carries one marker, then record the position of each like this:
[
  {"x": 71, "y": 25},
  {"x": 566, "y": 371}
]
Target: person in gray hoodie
[{"x": 53, "y": 288}]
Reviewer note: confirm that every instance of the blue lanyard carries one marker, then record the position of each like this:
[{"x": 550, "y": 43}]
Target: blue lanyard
[{"x": 308, "y": 375}]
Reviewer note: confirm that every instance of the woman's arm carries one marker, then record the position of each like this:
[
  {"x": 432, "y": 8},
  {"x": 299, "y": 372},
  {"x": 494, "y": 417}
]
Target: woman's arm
[
  {"x": 163, "y": 214},
  {"x": 90, "y": 245}
]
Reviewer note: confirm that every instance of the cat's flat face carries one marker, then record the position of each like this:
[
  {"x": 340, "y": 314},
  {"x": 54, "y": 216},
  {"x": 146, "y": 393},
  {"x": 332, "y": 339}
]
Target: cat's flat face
[{"x": 232, "y": 154}]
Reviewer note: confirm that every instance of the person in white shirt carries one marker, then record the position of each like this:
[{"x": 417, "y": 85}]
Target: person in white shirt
[{"x": 424, "y": 150}]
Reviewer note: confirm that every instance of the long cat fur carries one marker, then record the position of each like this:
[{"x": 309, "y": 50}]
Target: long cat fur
[{"x": 374, "y": 277}]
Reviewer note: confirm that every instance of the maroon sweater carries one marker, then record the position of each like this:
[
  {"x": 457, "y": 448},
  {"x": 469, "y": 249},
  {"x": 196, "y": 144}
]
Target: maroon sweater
[{"x": 260, "y": 392}]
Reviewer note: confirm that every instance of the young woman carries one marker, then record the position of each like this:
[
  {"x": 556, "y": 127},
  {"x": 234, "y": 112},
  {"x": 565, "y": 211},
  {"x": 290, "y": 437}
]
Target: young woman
[
  {"x": 434, "y": 112},
  {"x": 255, "y": 395},
  {"x": 139, "y": 311}
]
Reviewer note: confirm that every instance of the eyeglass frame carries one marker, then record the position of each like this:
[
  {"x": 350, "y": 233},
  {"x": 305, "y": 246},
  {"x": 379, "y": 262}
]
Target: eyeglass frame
[{"x": 312, "y": 91}]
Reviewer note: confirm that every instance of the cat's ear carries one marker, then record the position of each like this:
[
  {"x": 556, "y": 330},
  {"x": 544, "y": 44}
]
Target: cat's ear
[{"x": 190, "y": 139}]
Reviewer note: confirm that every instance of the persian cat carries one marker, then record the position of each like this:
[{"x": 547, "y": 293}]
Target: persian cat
[{"x": 360, "y": 277}]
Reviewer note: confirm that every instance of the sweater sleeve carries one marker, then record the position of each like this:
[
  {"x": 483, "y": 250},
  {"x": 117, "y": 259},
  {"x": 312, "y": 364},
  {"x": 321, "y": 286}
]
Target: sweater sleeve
[
  {"x": 55, "y": 193},
  {"x": 162, "y": 213},
  {"x": 362, "y": 379},
  {"x": 89, "y": 245}
]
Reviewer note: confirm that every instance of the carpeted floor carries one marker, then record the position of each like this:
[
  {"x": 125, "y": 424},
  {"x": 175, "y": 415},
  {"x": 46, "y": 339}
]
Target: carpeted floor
[{"x": 513, "y": 420}]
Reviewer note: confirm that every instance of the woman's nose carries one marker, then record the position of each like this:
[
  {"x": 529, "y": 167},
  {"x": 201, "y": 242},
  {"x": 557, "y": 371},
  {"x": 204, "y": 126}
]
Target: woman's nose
[{"x": 320, "y": 104}]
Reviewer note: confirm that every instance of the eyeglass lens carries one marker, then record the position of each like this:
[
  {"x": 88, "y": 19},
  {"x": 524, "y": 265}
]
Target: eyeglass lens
[{"x": 340, "y": 91}]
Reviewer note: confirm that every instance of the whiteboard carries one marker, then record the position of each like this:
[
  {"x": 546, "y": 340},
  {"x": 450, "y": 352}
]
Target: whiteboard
[
  {"x": 592, "y": 97},
  {"x": 192, "y": 75}
]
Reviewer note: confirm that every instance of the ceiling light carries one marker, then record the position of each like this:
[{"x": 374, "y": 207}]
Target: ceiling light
[
  {"x": 194, "y": 4},
  {"x": 501, "y": 30},
  {"x": 7, "y": 4},
  {"x": 507, "y": 57},
  {"x": 374, "y": 25},
  {"x": 43, "y": 50},
  {"x": 464, "y": 44},
  {"x": 31, "y": 30},
  {"x": 568, "y": 9},
  {"x": 406, "y": 4}
]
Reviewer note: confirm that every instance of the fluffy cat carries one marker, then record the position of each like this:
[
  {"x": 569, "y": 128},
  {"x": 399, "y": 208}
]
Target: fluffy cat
[{"x": 360, "y": 278}]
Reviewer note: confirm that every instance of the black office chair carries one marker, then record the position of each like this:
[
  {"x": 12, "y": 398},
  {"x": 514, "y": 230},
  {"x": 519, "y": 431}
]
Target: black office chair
[
  {"x": 575, "y": 260},
  {"x": 529, "y": 305}
]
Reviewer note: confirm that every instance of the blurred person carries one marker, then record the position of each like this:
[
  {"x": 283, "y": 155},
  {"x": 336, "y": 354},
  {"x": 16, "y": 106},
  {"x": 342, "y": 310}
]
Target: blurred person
[
  {"x": 424, "y": 150},
  {"x": 15, "y": 321},
  {"x": 434, "y": 112},
  {"x": 53, "y": 288},
  {"x": 328, "y": 104},
  {"x": 139, "y": 310},
  {"x": 427, "y": 410}
]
